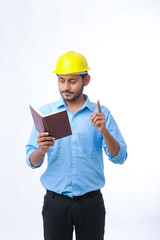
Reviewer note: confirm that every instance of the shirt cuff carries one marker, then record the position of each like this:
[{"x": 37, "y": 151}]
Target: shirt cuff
[
  {"x": 121, "y": 156},
  {"x": 28, "y": 160}
]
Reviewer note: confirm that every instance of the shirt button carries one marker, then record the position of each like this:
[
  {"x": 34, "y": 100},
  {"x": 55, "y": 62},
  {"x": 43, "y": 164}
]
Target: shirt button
[{"x": 73, "y": 147}]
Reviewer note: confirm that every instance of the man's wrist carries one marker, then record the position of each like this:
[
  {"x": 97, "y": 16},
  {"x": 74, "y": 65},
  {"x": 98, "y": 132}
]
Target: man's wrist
[
  {"x": 105, "y": 133},
  {"x": 40, "y": 152}
]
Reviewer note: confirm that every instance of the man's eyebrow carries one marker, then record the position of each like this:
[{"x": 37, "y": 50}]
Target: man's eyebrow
[
  {"x": 69, "y": 79},
  {"x": 72, "y": 79}
]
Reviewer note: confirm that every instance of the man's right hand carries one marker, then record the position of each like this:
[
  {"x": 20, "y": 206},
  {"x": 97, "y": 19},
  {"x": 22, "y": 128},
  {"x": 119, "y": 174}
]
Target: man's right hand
[{"x": 44, "y": 141}]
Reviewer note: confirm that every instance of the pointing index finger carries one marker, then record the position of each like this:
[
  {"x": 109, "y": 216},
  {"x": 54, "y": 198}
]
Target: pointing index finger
[{"x": 98, "y": 107}]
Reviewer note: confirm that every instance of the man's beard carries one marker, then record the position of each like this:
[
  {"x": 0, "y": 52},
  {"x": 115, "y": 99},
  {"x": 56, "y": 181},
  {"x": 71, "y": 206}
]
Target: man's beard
[{"x": 75, "y": 97}]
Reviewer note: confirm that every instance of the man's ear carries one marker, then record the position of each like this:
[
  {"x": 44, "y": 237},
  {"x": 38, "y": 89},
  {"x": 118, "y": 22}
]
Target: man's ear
[{"x": 87, "y": 80}]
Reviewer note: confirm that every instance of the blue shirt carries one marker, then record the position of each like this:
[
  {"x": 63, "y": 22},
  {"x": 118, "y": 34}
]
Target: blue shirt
[{"x": 75, "y": 163}]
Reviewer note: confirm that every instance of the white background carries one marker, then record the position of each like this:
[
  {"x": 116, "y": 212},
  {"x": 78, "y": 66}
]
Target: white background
[{"x": 121, "y": 41}]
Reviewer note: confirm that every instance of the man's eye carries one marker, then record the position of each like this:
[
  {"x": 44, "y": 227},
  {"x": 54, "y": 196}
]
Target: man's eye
[
  {"x": 73, "y": 82},
  {"x": 61, "y": 80}
]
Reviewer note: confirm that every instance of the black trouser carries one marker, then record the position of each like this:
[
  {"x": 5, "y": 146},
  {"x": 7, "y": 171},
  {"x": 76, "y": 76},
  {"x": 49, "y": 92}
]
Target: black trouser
[{"x": 86, "y": 213}]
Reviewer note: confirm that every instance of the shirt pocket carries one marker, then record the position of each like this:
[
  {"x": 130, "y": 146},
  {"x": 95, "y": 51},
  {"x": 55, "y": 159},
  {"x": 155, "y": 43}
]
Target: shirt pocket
[{"x": 89, "y": 139}]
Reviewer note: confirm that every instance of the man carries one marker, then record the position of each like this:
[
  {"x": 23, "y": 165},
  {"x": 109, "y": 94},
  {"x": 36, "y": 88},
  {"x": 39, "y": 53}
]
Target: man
[{"x": 75, "y": 171}]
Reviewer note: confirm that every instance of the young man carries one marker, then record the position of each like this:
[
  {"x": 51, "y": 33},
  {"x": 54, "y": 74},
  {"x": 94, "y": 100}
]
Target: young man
[{"x": 75, "y": 171}]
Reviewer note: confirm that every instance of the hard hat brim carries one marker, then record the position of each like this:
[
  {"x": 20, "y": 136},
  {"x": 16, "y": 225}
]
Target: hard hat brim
[{"x": 77, "y": 73}]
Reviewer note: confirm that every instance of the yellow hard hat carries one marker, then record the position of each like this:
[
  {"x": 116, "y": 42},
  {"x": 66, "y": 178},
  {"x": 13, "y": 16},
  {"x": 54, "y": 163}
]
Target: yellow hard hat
[{"x": 71, "y": 62}]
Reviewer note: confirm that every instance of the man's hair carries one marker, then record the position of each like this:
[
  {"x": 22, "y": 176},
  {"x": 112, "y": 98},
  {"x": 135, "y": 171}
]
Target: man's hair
[{"x": 83, "y": 76}]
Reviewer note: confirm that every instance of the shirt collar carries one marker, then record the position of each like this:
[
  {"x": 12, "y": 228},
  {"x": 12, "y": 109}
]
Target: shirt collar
[
  {"x": 60, "y": 103},
  {"x": 87, "y": 103}
]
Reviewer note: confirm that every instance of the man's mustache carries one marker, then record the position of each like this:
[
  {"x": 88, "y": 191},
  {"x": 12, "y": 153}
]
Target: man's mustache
[{"x": 67, "y": 91}]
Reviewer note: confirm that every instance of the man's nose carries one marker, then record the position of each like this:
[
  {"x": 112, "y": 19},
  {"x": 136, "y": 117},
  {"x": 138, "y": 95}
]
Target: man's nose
[{"x": 67, "y": 85}]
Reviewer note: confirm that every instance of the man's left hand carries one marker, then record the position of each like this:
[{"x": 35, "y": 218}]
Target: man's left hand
[{"x": 99, "y": 119}]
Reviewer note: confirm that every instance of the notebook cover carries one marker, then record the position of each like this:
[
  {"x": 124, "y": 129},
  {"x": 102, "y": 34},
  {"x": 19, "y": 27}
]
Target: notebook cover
[
  {"x": 37, "y": 118},
  {"x": 57, "y": 124}
]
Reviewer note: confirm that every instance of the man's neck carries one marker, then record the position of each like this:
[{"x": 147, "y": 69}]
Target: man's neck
[{"x": 74, "y": 106}]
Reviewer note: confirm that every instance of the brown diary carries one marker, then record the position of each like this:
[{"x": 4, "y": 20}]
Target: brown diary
[{"x": 56, "y": 124}]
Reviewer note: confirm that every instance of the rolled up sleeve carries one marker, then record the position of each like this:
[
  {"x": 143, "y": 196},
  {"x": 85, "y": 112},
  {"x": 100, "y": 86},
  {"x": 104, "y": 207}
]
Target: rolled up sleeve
[
  {"x": 31, "y": 146},
  {"x": 113, "y": 128},
  {"x": 121, "y": 157}
]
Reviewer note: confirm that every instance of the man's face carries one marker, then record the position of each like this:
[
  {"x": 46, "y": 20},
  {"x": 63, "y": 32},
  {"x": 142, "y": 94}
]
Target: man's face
[{"x": 70, "y": 86}]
